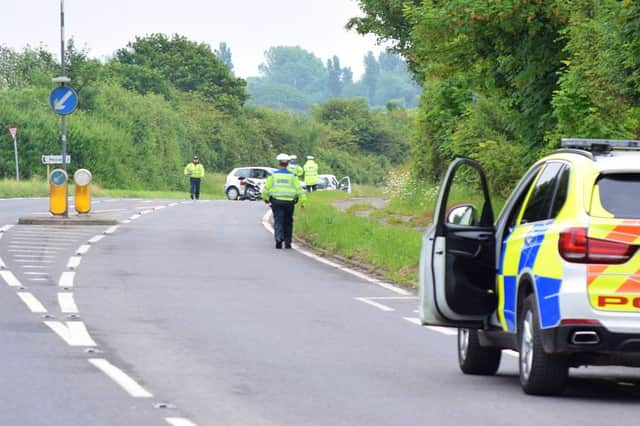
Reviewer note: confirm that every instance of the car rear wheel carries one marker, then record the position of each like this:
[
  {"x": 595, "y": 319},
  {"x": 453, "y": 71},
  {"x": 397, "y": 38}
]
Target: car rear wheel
[
  {"x": 540, "y": 373},
  {"x": 476, "y": 359},
  {"x": 232, "y": 193}
]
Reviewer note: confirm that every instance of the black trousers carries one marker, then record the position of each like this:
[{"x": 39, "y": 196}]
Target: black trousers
[
  {"x": 195, "y": 188},
  {"x": 312, "y": 188},
  {"x": 282, "y": 220}
]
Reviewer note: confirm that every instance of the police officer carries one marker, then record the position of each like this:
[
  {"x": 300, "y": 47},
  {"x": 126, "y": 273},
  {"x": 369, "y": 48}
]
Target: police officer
[
  {"x": 195, "y": 171},
  {"x": 311, "y": 178},
  {"x": 294, "y": 167},
  {"x": 282, "y": 189}
]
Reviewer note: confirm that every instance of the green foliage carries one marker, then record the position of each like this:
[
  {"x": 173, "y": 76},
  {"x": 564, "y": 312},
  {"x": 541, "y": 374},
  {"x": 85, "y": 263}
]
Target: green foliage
[
  {"x": 188, "y": 66},
  {"x": 294, "y": 79}
]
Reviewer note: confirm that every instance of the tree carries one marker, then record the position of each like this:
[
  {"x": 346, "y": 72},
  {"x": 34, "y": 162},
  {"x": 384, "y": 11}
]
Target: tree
[
  {"x": 189, "y": 66},
  {"x": 224, "y": 54},
  {"x": 371, "y": 75},
  {"x": 347, "y": 76},
  {"x": 335, "y": 82},
  {"x": 294, "y": 67}
]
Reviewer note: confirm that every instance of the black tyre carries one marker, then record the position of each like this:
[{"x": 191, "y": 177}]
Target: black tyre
[
  {"x": 233, "y": 193},
  {"x": 540, "y": 373},
  {"x": 473, "y": 358}
]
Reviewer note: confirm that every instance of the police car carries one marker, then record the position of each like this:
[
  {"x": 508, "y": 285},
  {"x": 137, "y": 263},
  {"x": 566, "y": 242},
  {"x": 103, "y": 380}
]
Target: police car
[{"x": 555, "y": 277}]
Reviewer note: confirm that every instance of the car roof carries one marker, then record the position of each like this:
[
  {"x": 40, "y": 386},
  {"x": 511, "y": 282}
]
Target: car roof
[
  {"x": 256, "y": 167},
  {"x": 611, "y": 162}
]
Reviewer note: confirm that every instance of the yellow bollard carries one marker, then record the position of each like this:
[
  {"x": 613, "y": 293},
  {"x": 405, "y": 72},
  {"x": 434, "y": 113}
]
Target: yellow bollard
[
  {"x": 82, "y": 179},
  {"x": 58, "y": 187}
]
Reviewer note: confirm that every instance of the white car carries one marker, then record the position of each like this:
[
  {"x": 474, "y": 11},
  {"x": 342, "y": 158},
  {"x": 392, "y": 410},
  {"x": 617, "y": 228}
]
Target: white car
[
  {"x": 330, "y": 183},
  {"x": 233, "y": 185}
]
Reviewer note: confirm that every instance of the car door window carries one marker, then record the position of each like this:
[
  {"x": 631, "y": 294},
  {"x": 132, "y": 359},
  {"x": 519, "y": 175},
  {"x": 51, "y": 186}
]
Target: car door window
[
  {"x": 243, "y": 173},
  {"x": 540, "y": 201},
  {"x": 258, "y": 174}
]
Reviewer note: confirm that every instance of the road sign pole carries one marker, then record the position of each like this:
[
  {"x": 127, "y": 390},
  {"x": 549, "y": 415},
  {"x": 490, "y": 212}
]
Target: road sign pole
[
  {"x": 15, "y": 153},
  {"x": 63, "y": 121}
]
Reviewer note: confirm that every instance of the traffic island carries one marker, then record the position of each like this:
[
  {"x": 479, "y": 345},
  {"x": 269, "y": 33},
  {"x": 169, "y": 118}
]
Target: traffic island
[{"x": 85, "y": 219}]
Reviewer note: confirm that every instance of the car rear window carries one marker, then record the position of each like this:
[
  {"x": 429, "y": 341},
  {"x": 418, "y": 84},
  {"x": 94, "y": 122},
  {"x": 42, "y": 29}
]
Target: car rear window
[{"x": 619, "y": 195}]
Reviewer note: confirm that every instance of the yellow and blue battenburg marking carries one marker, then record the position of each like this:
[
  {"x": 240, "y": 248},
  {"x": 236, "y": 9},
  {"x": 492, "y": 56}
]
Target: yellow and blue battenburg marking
[{"x": 530, "y": 248}]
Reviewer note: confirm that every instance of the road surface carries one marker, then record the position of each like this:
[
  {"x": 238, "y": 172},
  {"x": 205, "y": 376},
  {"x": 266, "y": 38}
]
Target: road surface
[{"x": 185, "y": 315}]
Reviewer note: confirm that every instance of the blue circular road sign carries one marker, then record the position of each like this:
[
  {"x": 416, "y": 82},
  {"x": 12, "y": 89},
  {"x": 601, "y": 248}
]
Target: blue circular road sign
[
  {"x": 63, "y": 100},
  {"x": 58, "y": 177}
]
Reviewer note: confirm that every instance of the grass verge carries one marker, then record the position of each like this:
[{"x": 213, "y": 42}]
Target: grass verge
[{"x": 386, "y": 250}]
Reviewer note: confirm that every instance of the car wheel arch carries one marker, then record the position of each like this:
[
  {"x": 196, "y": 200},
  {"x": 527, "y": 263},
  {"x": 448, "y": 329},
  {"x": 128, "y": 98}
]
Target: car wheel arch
[{"x": 526, "y": 287}]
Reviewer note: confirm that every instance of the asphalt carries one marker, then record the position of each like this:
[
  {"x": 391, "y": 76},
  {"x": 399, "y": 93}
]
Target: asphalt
[{"x": 195, "y": 304}]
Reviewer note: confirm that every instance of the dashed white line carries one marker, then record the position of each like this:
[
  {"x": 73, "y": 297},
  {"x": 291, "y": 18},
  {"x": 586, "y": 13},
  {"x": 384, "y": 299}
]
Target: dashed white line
[
  {"x": 36, "y": 273},
  {"x": 126, "y": 221},
  {"x": 33, "y": 266},
  {"x": 74, "y": 333},
  {"x": 10, "y": 279},
  {"x": 33, "y": 256},
  {"x": 179, "y": 421},
  {"x": 32, "y": 303},
  {"x": 375, "y": 304},
  {"x": 33, "y": 261},
  {"x": 66, "y": 279},
  {"x": 74, "y": 262},
  {"x": 83, "y": 249},
  {"x": 142, "y": 212},
  {"x": 134, "y": 217},
  {"x": 2, "y": 265},
  {"x": 38, "y": 279},
  {"x": 111, "y": 229},
  {"x": 173, "y": 204},
  {"x": 442, "y": 330},
  {"x": 43, "y": 250},
  {"x": 67, "y": 303},
  {"x": 95, "y": 239},
  {"x": 5, "y": 228},
  {"x": 121, "y": 378}
]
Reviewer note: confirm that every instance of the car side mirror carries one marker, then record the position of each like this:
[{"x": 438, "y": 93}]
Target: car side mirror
[{"x": 465, "y": 215}]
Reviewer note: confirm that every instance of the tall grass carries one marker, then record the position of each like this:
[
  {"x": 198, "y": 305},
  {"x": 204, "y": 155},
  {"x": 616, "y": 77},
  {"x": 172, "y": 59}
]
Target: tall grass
[
  {"x": 389, "y": 250},
  {"x": 35, "y": 187}
]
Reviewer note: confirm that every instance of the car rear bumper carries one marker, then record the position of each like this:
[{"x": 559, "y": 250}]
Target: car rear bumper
[{"x": 589, "y": 341}]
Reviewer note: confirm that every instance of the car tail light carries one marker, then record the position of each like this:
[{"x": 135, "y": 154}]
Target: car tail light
[
  {"x": 579, "y": 321},
  {"x": 576, "y": 246}
]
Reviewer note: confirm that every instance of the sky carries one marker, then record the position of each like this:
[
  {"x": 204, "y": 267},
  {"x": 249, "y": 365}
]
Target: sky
[{"x": 249, "y": 27}]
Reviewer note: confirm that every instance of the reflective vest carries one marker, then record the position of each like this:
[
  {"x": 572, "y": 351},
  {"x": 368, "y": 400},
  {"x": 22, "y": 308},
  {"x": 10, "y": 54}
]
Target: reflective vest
[
  {"x": 283, "y": 185},
  {"x": 295, "y": 169},
  {"x": 311, "y": 173},
  {"x": 197, "y": 170}
]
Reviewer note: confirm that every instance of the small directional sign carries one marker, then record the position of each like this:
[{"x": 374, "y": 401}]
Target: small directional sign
[
  {"x": 54, "y": 159},
  {"x": 63, "y": 100},
  {"x": 58, "y": 177}
]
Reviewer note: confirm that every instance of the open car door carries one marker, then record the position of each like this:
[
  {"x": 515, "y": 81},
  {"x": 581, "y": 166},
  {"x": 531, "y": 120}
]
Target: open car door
[
  {"x": 458, "y": 259},
  {"x": 345, "y": 184}
]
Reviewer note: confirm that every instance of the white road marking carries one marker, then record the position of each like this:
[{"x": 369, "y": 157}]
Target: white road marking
[
  {"x": 36, "y": 273},
  {"x": 74, "y": 262},
  {"x": 109, "y": 210},
  {"x": 67, "y": 303},
  {"x": 74, "y": 333},
  {"x": 33, "y": 256},
  {"x": 173, "y": 204},
  {"x": 393, "y": 298},
  {"x": 95, "y": 239},
  {"x": 391, "y": 287},
  {"x": 375, "y": 304},
  {"x": 37, "y": 246},
  {"x": 179, "y": 421},
  {"x": 122, "y": 379},
  {"x": 33, "y": 266},
  {"x": 160, "y": 207},
  {"x": 43, "y": 250},
  {"x": 5, "y": 228},
  {"x": 145, "y": 211},
  {"x": 111, "y": 229},
  {"x": 2, "y": 265},
  {"x": 126, "y": 221},
  {"x": 134, "y": 217},
  {"x": 10, "y": 279},
  {"x": 66, "y": 279},
  {"x": 83, "y": 249},
  {"x": 38, "y": 238},
  {"x": 33, "y": 261},
  {"x": 32, "y": 303},
  {"x": 442, "y": 330},
  {"x": 38, "y": 279}
]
